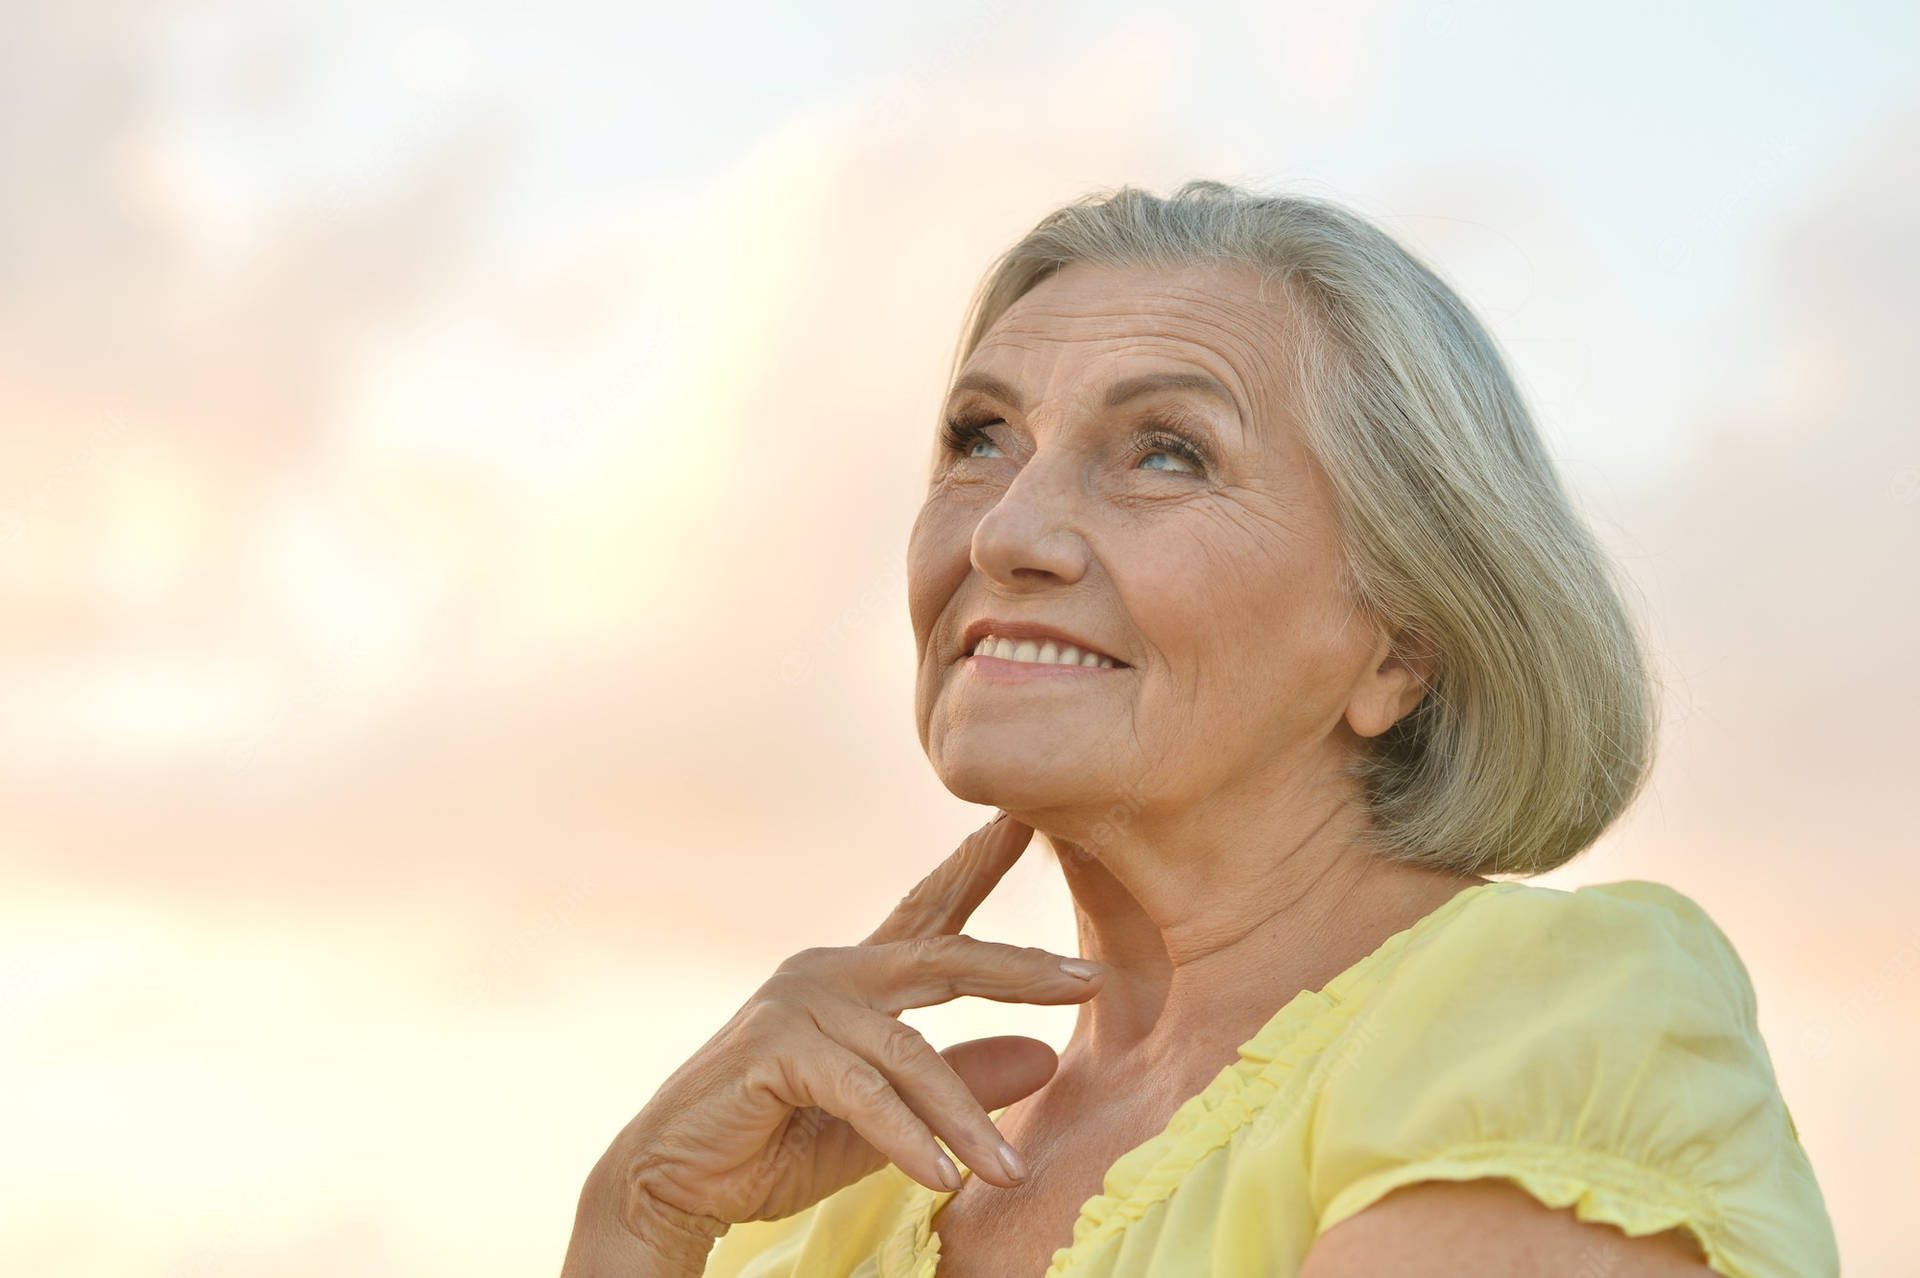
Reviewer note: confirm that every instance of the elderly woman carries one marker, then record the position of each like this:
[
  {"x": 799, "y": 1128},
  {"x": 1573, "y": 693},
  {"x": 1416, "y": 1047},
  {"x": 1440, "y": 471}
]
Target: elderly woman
[{"x": 1244, "y": 579}]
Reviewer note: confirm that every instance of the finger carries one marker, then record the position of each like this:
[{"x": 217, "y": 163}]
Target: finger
[
  {"x": 923, "y": 1079},
  {"x": 1002, "y": 1069},
  {"x": 926, "y": 970},
  {"x": 942, "y": 902},
  {"x": 839, "y": 1081}
]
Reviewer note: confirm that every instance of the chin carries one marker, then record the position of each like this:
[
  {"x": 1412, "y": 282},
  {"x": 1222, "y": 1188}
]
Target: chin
[{"x": 1018, "y": 783}]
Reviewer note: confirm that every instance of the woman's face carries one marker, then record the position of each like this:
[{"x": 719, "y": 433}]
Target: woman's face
[{"x": 1175, "y": 525}]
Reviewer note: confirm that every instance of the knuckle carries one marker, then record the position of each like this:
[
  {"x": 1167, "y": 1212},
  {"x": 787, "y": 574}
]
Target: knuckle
[
  {"x": 781, "y": 990},
  {"x": 768, "y": 1013},
  {"x": 923, "y": 949},
  {"x": 1014, "y": 958},
  {"x": 901, "y": 1046},
  {"x": 864, "y": 1085},
  {"x": 807, "y": 960},
  {"x": 929, "y": 888}
]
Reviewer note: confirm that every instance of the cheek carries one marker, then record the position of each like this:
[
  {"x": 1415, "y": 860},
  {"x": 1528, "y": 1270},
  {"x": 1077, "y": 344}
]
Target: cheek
[
  {"x": 939, "y": 556},
  {"x": 1203, "y": 581},
  {"x": 1231, "y": 600}
]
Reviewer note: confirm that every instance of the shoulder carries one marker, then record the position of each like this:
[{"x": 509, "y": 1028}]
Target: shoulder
[
  {"x": 1538, "y": 1012},
  {"x": 1597, "y": 1048},
  {"x": 1634, "y": 919},
  {"x": 1520, "y": 952}
]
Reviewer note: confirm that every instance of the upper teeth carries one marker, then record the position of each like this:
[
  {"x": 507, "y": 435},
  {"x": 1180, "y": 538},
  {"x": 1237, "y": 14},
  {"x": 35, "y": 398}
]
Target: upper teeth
[{"x": 1047, "y": 652}]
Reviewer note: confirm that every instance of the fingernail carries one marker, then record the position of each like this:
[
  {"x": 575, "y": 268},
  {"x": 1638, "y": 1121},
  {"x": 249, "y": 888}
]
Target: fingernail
[
  {"x": 1011, "y": 1161},
  {"x": 948, "y": 1173},
  {"x": 1081, "y": 968}
]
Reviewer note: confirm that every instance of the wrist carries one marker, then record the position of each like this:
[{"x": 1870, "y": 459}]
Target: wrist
[
  {"x": 677, "y": 1238},
  {"x": 634, "y": 1235}
]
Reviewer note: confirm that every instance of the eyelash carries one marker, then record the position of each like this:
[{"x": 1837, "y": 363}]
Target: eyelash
[{"x": 961, "y": 434}]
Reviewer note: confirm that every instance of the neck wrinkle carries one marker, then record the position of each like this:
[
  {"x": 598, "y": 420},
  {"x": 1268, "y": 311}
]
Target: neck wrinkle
[{"x": 1214, "y": 962}]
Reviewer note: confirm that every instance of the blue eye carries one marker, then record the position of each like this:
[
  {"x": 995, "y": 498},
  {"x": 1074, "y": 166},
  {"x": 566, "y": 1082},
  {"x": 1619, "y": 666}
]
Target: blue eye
[
  {"x": 1172, "y": 446},
  {"x": 962, "y": 436}
]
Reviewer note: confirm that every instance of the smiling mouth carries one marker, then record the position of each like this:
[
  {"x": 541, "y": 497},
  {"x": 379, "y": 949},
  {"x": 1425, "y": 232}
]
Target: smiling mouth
[{"x": 1042, "y": 652}]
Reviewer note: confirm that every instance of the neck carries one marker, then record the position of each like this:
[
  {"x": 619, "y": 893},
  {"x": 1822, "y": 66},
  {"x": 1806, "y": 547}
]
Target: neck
[{"x": 1210, "y": 921}]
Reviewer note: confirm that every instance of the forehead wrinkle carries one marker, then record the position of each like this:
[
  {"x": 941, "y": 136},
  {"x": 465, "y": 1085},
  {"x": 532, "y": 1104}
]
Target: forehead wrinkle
[
  {"x": 1176, "y": 334},
  {"x": 1224, "y": 314},
  {"x": 1239, "y": 412}
]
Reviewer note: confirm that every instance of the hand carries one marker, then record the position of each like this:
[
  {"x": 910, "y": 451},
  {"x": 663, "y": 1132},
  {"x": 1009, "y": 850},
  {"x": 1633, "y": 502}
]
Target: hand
[{"x": 815, "y": 1082}]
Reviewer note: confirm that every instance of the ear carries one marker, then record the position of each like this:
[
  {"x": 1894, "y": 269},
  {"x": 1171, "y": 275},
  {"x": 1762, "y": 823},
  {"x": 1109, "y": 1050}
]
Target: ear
[{"x": 1401, "y": 670}]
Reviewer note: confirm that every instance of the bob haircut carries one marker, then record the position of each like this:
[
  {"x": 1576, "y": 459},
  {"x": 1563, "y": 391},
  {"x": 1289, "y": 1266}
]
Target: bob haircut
[{"x": 1537, "y": 729}]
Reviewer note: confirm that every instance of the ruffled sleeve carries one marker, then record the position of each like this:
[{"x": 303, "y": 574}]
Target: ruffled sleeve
[{"x": 1598, "y": 1048}]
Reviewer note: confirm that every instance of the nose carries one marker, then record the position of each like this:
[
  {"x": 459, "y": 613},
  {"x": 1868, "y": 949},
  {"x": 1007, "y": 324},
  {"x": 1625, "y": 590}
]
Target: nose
[{"x": 1032, "y": 534}]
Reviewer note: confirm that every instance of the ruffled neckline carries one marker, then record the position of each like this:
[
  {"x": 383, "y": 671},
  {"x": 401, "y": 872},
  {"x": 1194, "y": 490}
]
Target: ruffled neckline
[{"x": 1148, "y": 1173}]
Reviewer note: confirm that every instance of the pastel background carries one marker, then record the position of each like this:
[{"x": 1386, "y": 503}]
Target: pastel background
[{"x": 455, "y": 469}]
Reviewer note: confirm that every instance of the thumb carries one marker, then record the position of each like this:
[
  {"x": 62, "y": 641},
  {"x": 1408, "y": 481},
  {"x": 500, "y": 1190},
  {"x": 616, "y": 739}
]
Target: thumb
[{"x": 1002, "y": 1069}]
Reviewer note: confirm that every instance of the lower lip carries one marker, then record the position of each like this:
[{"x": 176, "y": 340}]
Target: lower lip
[{"x": 1000, "y": 670}]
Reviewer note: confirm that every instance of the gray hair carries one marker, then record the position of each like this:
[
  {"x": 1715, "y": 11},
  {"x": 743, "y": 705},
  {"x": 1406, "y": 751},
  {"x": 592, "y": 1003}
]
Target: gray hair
[{"x": 1538, "y": 728}]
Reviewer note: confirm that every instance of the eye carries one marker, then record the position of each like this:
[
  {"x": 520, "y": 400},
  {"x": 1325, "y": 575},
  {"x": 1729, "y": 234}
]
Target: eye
[
  {"x": 1164, "y": 443},
  {"x": 963, "y": 435}
]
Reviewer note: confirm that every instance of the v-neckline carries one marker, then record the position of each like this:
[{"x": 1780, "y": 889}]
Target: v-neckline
[{"x": 1149, "y": 1171}]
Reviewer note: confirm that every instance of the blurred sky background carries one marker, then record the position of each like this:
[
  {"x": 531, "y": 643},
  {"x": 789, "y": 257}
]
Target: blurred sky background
[{"x": 455, "y": 469}]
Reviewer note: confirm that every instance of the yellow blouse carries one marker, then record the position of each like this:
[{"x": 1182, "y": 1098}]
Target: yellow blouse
[{"x": 1597, "y": 1047}]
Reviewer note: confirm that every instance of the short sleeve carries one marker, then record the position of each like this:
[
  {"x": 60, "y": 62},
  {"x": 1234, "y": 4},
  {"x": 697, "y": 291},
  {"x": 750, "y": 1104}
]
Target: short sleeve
[{"x": 1600, "y": 1049}]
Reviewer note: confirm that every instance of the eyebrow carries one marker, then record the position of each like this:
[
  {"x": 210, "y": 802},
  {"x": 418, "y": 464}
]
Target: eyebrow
[
  {"x": 1118, "y": 393},
  {"x": 1134, "y": 387}
]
